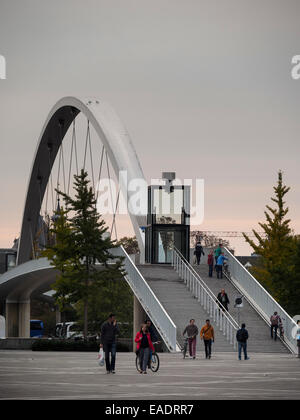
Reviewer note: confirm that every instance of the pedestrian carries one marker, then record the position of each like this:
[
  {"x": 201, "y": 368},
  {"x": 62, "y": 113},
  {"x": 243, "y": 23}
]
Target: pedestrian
[
  {"x": 144, "y": 345},
  {"x": 281, "y": 330},
  {"x": 223, "y": 299},
  {"x": 198, "y": 252},
  {"x": 151, "y": 330},
  {"x": 210, "y": 262},
  {"x": 153, "y": 336},
  {"x": 242, "y": 337},
  {"x": 275, "y": 322},
  {"x": 217, "y": 253},
  {"x": 207, "y": 334},
  {"x": 192, "y": 332},
  {"x": 109, "y": 331},
  {"x": 220, "y": 262}
]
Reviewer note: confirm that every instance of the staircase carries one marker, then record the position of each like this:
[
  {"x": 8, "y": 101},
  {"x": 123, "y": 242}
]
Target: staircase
[
  {"x": 173, "y": 294},
  {"x": 259, "y": 332},
  {"x": 180, "y": 303}
]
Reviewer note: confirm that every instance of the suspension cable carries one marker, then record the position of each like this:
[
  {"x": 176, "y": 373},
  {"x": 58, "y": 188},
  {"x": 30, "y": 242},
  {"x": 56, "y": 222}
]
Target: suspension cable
[
  {"x": 108, "y": 172},
  {"x": 86, "y": 142},
  {"x": 58, "y": 176},
  {"x": 92, "y": 167},
  {"x": 51, "y": 180},
  {"x": 100, "y": 170},
  {"x": 32, "y": 242},
  {"x": 114, "y": 216},
  {"x": 71, "y": 159},
  {"x": 42, "y": 230},
  {"x": 75, "y": 148},
  {"x": 46, "y": 202},
  {"x": 62, "y": 155}
]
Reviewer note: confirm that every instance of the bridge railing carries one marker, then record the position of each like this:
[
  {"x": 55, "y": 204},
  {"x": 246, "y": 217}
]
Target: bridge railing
[
  {"x": 259, "y": 298},
  {"x": 152, "y": 306},
  {"x": 205, "y": 297}
]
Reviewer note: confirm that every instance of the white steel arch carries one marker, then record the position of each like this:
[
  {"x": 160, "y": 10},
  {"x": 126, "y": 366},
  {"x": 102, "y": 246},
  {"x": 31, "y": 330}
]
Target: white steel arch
[{"x": 116, "y": 141}]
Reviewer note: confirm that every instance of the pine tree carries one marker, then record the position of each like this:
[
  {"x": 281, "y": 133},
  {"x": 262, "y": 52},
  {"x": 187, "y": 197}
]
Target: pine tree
[
  {"x": 88, "y": 245},
  {"x": 62, "y": 258},
  {"x": 293, "y": 295},
  {"x": 277, "y": 248}
]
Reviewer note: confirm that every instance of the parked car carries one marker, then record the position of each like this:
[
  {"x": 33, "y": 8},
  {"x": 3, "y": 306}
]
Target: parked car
[{"x": 68, "y": 330}]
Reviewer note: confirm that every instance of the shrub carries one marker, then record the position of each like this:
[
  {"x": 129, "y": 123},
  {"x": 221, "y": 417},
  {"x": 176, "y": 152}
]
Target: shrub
[{"x": 72, "y": 345}]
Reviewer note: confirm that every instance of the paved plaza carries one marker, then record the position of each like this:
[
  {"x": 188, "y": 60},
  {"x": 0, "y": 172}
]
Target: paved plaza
[{"x": 74, "y": 375}]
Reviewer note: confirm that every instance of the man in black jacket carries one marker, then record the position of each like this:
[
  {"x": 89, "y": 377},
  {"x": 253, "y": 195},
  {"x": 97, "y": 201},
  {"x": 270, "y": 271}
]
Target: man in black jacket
[
  {"x": 223, "y": 299},
  {"x": 242, "y": 337},
  {"x": 198, "y": 252},
  {"x": 109, "y": 331}
]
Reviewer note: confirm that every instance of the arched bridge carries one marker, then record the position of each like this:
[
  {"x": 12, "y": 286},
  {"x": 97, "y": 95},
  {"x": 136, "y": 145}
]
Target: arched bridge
[{"x": 171, "y": 294}]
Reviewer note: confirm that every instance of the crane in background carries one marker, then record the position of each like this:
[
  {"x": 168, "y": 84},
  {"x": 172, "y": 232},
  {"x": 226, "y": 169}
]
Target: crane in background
[{"x": 212, "y": 238}]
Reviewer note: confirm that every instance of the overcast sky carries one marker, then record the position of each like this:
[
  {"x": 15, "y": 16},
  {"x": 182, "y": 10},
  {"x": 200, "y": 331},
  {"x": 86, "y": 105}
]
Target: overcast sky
[{"x": 203, "y": 87}]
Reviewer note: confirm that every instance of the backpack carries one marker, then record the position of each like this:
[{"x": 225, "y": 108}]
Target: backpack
[
  {"x": 274, "y": 320},
  {"x": 241, "y": 335},
  {"x": 199, "y": 250}
]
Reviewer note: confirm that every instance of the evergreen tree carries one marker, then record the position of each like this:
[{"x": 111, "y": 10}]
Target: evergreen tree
[
  {"x": 83, "y": 245},
  {"x": 113, "y": 293},
  {"x": 293, "y": 295},
  {"x": 130, "y": 244},
  {"x": 277, "y": 248},
  {"x": 61, "y": 256}
]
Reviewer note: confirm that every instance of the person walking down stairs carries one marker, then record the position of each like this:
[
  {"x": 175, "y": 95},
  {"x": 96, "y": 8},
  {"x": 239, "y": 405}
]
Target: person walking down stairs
[
  {"x": 207, "y": 334},
  {"x": 198, "y": 252},
  {"x": 275, "y": 322},
  {"x": 223, "y": 300}
]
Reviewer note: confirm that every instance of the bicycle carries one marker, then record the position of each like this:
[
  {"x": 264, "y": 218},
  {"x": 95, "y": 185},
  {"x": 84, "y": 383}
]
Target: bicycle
[
  {"x": 185, "y": 346},
  {"x": 154, "y": 361}
]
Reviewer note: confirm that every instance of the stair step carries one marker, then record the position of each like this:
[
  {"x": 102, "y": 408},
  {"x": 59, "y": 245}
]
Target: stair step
[
  {"x": 180, "y": 304},
  {"x": 259, "y": 331}
]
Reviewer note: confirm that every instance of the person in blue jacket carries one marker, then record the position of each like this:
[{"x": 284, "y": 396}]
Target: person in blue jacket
[{"x": 219, "y": 266}]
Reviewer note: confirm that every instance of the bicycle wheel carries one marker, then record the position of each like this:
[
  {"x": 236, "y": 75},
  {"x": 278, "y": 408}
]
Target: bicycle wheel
[
  {"x": 184, "y": 350},
  {"x": 154, "y": 362},
  {"x": 137, "y": 363}
]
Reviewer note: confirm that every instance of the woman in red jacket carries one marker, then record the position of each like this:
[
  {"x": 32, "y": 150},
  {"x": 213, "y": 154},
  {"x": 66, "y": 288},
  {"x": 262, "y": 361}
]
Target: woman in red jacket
[
  {"x": 210, "y": 262},
  {"x": 144, "y": 344}
]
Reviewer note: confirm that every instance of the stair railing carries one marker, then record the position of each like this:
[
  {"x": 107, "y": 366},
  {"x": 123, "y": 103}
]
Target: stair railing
[{"x": 205, "y": 297}]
